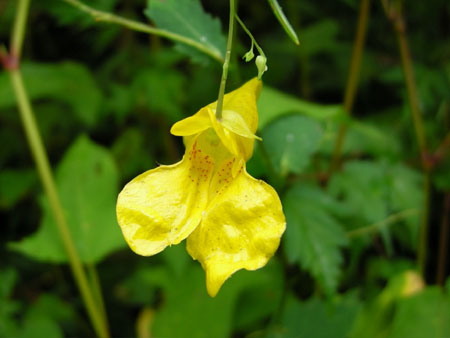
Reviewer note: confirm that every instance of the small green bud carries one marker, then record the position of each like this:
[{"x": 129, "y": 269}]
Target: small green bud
[
  {"x": 261, "y": 65},
  {"x": 249, "y": 55}
]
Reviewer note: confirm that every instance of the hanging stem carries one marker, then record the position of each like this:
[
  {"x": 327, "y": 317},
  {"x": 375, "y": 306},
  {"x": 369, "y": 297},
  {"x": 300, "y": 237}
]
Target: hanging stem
[
  {"x": 43, "y": 166},
  {"x": 226, "y": 63},
  {"x": 352, "y": 81},
  {"x": 395, "y": 15}
]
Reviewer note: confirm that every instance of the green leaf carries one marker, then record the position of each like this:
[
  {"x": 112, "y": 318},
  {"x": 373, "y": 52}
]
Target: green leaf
[
  {"x": 87, "y": 183},
  {"x": 67, "y": 82},
  {"x": 187, "y": 18},
  {"x": 425, "y": 314},
  {"x": 290, "y": 141},
  {"x": 261, "y": 300},
  {"x": 363, "y": 137},
  {"x": 9, "y": 307},
  {"x": 405, "y": 308},
  {"x": 14, "y": 185},
  {"x": 161, "y": 91},
  {"x": 316, "y": 318},
  {"x": 313, "y": 235},
  {"x": 320, "y": 37},
  {"x": 273, "y": 103},
  {"x": 372, "y": 191},
  {"x": 363, "y": 186},
  {"x": 277, "y": 10},
  {"x": 188, "y": 308}
]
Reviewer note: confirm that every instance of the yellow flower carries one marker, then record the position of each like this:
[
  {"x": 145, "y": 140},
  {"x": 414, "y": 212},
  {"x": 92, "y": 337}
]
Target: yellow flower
[{"x": 231, "y": 220}]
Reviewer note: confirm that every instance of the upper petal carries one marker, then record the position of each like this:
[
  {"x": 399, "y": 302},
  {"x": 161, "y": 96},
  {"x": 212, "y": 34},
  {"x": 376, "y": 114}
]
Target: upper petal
[
  {"x": 241, "y": 229},
  {"x": 163, "y": 206},
  {"x": 192, "y": 125},
  {"x": 243, "y": 102}
]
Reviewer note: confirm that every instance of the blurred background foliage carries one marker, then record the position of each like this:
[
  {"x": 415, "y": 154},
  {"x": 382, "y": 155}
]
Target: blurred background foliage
[{"x": 105, "y": 98}]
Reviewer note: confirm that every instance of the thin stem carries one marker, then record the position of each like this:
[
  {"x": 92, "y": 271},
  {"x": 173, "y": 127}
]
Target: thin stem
[
  {"x": 353, "y": 76},
  {"x": 43, "y": 166},
  {"x": 226, "y": 63},
  {"x": 45, "y": 174},
  {"x": 140, "y": 27},
  {"x": 384, "y": 223},
  {"x": 443, "y": 244},
  {"x": 411, "y": 87},
  {"x": 422, "y": 248},
  {"x": 394, "y": 13},
  {"x": 246, "y": 30},
  {"x": 97, "y": 290},
  {"x": 18, "y": 32}
]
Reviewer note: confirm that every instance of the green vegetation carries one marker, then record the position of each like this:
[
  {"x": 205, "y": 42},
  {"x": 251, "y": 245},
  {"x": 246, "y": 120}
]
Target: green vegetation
[{"x": 355, "y": 123}]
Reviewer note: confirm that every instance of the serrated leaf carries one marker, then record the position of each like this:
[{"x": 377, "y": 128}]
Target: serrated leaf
[
  {"x": 373, "y": 190},
  {"x": 290, "y": 141},
  {"x": 273, "y": 103},
  {"x": 187, "y": 18},
  {"x": 313, "y": 236},
  {"x": 67, "y": 82},
  {"x": 363, "y": 185},
  {"x": 87, "y": 183}
]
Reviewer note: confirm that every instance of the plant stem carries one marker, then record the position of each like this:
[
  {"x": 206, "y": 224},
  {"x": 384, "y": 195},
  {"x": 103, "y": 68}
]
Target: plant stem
[
  {"x": 250, "y": 35},
  {"x": 20, "y": 23},
  {"x": 43, "y": 166},
  {"x": 395, "y": 15},
  {"x": 140, "y": 27},
  {"x": 97, "y": 290},
  {"x": 386, "y": 222},
  {"x": 443, "y": 244},
  {"x": 226, "y": 63},
  {"x": 408, "y": 72},
  {"x": 352, "y": 81}
]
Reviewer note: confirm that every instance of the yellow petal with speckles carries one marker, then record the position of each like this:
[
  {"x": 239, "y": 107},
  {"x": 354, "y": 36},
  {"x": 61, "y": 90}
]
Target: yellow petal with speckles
[
  {"x": 163, "y": 206},
  {"x": 240, "y": 229}
]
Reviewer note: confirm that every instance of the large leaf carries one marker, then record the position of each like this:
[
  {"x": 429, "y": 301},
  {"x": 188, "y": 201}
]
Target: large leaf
[
  {"x": 87, "y": 184},
  {"x": 67, "y": 82},
  {"x": 187, "y": 18},
  {"x": 290, "y": 141},
  {"x": 273, "y": 103},
  {"x": 313, "y": 235}
]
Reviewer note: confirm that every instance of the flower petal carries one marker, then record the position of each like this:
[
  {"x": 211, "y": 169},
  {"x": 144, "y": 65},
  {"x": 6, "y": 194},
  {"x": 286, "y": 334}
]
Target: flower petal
[
  {"x": 192, "y": 125},
  {"x": 163, "y": 206},
  {"x": 241, "y": 229},
  {"x": 243, "y": 101},
  {"x": 234, "y": 122}
]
